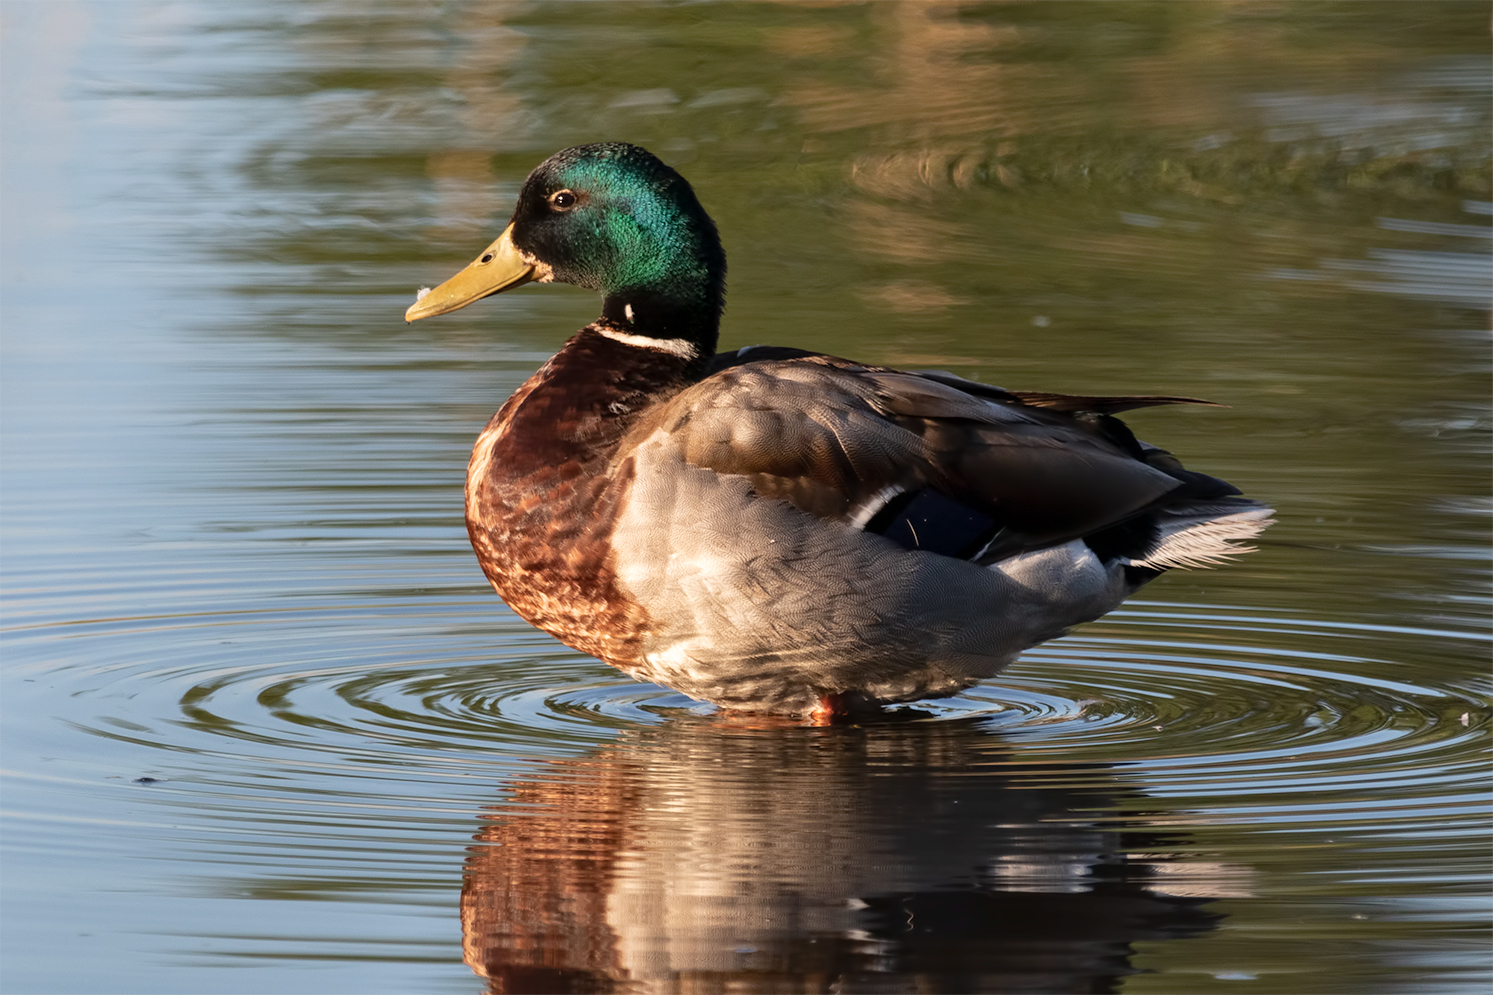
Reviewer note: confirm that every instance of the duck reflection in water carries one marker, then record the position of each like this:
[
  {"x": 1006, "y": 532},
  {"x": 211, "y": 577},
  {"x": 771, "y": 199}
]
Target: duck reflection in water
[{"x": 709, "y": 854}]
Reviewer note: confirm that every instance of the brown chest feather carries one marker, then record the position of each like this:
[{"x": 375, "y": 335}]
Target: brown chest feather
[{"x": 544, "y": 492}]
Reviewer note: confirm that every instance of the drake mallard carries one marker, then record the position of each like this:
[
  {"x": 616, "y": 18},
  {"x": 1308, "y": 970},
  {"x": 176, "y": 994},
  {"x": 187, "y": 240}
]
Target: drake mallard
[{"x": 778, "y": 530}]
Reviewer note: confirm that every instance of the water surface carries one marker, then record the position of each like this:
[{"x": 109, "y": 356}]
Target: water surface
[{"x": 267, "y": 729}]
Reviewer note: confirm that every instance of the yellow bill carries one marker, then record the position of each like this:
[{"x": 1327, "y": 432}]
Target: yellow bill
[{"x": 500, "y": 267}]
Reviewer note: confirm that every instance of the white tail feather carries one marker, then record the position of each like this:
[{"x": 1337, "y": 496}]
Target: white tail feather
[{"x": 1201, "y": 537}]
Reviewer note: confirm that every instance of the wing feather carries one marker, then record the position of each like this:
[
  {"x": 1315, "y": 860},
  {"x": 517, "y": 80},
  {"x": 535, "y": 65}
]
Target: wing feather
[{"x": 834, "y": 437}]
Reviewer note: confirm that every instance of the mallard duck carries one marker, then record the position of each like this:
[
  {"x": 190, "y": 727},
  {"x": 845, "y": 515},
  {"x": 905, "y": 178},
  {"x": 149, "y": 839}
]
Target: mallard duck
[{"x": 777, "y": 530}]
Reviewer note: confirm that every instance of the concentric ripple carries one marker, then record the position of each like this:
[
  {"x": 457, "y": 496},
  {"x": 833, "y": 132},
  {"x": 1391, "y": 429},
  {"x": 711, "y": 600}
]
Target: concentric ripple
[{"x": 1204, "y": 699}]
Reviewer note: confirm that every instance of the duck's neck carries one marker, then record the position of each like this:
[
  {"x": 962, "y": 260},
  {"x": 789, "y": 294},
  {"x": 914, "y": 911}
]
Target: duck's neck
[
  {"x": 674, "y": 295},
  {"x": 665, "y": 318},
  {"x": 677, "y": 325}
]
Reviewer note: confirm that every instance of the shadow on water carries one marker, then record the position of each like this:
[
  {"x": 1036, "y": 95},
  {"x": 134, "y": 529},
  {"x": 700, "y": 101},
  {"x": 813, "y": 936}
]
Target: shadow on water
[{"x": 708, "y": 854}]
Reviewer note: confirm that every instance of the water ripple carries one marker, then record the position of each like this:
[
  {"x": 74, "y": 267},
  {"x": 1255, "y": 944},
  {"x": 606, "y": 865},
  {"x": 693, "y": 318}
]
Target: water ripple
[{"x": 1232, "y": 702}]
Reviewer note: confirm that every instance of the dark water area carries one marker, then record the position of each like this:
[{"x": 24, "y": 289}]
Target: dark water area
[{"x": 266, "y": 728}]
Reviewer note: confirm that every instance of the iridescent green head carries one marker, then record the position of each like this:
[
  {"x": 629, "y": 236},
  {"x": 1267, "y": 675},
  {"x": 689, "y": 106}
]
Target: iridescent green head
[{"x": 612, "y": 218}]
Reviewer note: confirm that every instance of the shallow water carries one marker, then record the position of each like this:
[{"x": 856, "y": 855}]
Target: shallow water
[{"x": 266, "y": 728}]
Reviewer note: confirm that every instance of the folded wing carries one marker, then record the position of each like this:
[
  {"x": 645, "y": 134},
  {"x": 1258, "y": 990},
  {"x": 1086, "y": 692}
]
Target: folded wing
[{"x": 931, "y": 460}]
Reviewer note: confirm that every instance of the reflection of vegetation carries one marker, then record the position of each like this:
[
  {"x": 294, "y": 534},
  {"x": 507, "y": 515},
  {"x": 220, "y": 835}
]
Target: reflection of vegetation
[
  {"x": 1114, "y": 97},
  {"x": 1221, "y": 169}
]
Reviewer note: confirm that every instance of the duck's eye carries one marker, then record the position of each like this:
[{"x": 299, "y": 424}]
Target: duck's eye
[{"x": 562, "y": 200}]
